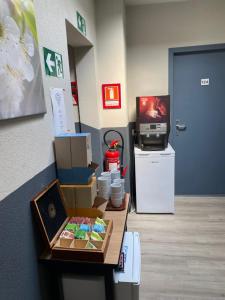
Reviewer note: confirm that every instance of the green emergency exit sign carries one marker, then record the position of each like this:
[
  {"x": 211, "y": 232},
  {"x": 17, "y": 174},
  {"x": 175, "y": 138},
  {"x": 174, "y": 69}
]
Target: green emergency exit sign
[
  {"x": 81, "y": 23},
  {"x": 53, "y": 63}
]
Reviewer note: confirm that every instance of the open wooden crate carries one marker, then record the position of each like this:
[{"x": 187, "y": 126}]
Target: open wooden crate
[{"x": 52, "y": 219}]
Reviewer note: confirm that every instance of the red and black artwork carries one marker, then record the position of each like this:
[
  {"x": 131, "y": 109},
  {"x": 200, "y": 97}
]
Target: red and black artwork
[{"x": 153, "y": 109}]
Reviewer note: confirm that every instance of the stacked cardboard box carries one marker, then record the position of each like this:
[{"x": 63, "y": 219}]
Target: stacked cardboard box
[
  {"x": 77, "y": 196},
  {"x": 74, "y": 158},
  {"x": 75, "y": 169},
  {"x": 73, "y": 150}
]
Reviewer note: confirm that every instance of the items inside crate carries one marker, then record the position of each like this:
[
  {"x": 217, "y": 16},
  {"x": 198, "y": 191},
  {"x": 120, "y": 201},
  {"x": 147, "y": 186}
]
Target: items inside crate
[
  {"x": 71, "y": 237},
  {"x": 83, "y": 233}
]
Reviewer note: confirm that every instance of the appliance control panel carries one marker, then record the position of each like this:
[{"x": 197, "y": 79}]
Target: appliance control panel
[{"x": 153, "y": 128}]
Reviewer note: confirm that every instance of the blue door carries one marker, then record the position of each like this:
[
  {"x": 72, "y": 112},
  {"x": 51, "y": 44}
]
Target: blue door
[{"x": 198, "y": 120}]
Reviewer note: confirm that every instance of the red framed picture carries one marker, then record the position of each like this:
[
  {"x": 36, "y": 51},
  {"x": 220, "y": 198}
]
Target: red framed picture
[{"x": 111, "y": 96}]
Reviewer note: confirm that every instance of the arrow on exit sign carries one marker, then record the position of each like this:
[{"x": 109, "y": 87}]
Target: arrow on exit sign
[
  {"x": 50, "y": 63},
  {"x": 53, "y": 63}
]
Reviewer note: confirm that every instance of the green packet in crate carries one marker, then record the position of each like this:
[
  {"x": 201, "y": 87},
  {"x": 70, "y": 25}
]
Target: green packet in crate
[
  {"x": 100, "y": 221},
  {"x": 90, "y": 246},
  {"x": 81, "y": 235},
  {"x": 95, "y": 236},
  {"x": 72, "y": 227}
]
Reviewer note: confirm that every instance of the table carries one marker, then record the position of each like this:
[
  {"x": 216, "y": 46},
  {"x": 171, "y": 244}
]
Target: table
[
  {"x": 105, "y": 268},
  {"x": 119, "y": 226}
]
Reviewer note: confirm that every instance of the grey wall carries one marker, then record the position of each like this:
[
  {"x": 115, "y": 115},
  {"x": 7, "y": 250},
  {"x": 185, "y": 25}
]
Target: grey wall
[{"x": 21, "y": 277}]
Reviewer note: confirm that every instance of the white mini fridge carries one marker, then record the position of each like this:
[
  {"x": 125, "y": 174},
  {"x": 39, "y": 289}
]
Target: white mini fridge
[
  {"x": 154, "y": 172},
  {"x": 127, "y": 282}
]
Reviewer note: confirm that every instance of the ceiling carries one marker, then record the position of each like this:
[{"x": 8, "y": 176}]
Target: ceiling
[{"x": 141, "y": 2}]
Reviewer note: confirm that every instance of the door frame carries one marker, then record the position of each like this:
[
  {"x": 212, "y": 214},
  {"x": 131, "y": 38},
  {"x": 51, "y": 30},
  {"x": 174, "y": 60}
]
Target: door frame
[{"x": 182, "y": 50}]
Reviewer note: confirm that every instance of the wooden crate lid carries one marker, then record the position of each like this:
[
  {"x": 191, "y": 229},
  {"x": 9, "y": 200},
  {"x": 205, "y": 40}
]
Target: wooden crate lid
[{"x": 50, "y": 212}]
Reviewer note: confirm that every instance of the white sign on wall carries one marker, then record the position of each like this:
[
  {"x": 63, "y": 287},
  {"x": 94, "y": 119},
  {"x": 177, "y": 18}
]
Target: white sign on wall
[
  {"x": 59, "y": 112},
  {"x": 205, "y": 81}
]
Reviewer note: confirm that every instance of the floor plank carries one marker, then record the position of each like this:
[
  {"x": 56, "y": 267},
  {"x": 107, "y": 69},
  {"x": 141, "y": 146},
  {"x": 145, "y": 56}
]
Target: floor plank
[{"x": 183, "y": 255}]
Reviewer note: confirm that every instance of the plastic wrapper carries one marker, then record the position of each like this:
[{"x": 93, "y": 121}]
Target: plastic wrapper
[
  {"x": 66, "y": 234},
  {"x": 90, "y": 246},
  {"x": 72, "y": 227},
  {"x": 95, "y": 236},
  {"x": 85, "y": 227},
  {"x": 81, "y": 235},
  {"x": 100, "y": 222},
  {"x": 80, "y": 220},
  {"x": 98, "y": 228}
]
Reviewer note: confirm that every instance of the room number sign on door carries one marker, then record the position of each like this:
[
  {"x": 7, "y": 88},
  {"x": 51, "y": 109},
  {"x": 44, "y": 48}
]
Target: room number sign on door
[{"x": 205, "y": 81}]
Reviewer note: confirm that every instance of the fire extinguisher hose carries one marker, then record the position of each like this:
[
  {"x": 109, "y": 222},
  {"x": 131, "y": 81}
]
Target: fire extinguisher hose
[{"x": 122, "y": 146}]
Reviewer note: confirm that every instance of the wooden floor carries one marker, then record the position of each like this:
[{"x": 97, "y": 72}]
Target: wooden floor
[{"x": 183, "y": 255}]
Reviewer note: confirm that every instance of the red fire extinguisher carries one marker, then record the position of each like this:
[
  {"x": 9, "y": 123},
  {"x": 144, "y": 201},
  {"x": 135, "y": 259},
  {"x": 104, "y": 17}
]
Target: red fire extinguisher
[
  {"x": 112, "y": 157},
  {"x": 112, "y": 154}
]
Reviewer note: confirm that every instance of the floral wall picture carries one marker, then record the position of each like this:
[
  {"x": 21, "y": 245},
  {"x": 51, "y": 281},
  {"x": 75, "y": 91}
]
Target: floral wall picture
[{"x": 21, "y": 86}]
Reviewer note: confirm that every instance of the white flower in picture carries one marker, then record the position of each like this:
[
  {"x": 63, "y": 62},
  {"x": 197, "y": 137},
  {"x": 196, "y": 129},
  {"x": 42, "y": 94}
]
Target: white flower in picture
[
  {"x": 26, "y": 52},
  {"x": 11, "y": 87},
  {"x": 11, "y": 78},
  {"x": 15, "y": 64},
  {"x": 9, "y": 39},
  {"x": 21, "y": 89}
]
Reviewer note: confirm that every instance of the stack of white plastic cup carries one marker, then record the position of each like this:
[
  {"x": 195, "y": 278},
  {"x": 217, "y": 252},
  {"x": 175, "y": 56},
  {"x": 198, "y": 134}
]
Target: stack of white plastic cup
[
  {"x": 122, "y": 182},
  {"x": 115, "y": 174},
  {"x": 107, "y": 175},
  {"x": 116, "y": 194},
  {"x": 103, "y": 187}
]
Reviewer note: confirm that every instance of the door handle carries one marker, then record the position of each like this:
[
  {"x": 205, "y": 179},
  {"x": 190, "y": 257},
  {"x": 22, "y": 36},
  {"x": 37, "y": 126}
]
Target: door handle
[{"x": 180, "y": 127}]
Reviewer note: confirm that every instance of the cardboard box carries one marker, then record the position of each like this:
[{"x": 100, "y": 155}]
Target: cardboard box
[
  {"x": 77, "y": 196},
  {"x": 52, "y": 219},
  {"x": 74, "y": 158},
  {"x": 73, "y": 150}
]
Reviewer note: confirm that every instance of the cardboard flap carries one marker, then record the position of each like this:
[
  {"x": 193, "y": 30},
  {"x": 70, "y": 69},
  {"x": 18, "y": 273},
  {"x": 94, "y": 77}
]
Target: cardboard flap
[
  {"x": 85, "y": 212},
  {"x": 94, "y": 166},
  {"x": 50, "y": 212},
  {"x": 76, "y": 175}
]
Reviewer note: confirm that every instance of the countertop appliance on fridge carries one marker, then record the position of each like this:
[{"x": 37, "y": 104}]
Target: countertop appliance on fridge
[
  {"x": 154, "y": 171},
  {"x": 127, "y": 282}
]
